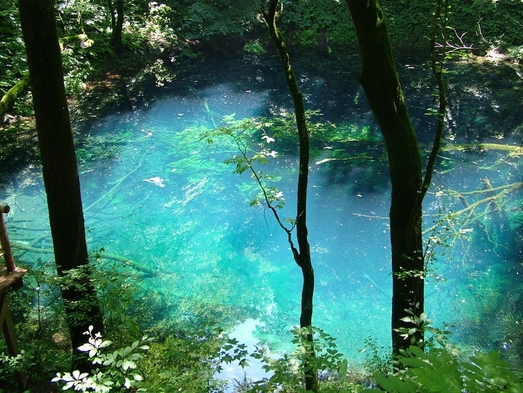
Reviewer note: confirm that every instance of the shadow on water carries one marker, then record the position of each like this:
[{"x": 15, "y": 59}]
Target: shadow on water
[{"x": 156, "y": 194}]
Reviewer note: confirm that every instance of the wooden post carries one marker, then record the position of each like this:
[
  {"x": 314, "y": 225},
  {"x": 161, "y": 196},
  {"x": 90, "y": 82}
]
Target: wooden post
[
  {"x": 4, "y": 240},
  {"x": 10, "y": 337},
  {"x": 10, "y": 277}
]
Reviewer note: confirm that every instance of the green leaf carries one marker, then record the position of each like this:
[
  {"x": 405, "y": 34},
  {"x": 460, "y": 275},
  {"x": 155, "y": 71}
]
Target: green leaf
[
  {"x": 104, "y": 344},
  {"x": 393, "y": 384},
  {"x": 417, "y": 351},
  {"x": 342, "y": 370},
  {"x": 474, "y": 369},
  {"x": 412, "y": 331},
  {"x": 85, "y": 348},
  {"x": 414, "y": 362},
  {"x": 128, "y": 364}
]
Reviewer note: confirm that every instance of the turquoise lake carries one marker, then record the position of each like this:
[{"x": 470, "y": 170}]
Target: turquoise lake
[{"x": 156, "y": 194}]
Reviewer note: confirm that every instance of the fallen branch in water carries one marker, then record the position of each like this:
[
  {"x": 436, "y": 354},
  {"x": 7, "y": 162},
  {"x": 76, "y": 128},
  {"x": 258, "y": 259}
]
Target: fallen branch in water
[
  {"x": 118, "y": 183},
  {"x": 369, "y": 216},
  {"x": 493, "y": 200},
  {"x": 483, "y": 146},
  {"x": 472, "y": 147},
  {"x": 377, "y": 287},
  {"x": 128, "y": 262}
]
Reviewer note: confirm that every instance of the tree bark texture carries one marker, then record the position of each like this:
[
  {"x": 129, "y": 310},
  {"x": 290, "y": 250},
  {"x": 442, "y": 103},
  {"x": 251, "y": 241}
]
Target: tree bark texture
[
  {"x": 302, "y": 256},
  {"x": 382, "y": 87},
  {"x": 59, "y": 164}
]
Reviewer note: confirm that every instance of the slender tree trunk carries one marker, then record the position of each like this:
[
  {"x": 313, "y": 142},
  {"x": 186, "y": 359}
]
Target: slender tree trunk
[
  {"x": 59, "y": 165},
  {"x": 110, "y": 6},
  {"x": 302, "y": 255},
  {"x": 116, "y": 39},
  {"x": 384, "y": 93}
]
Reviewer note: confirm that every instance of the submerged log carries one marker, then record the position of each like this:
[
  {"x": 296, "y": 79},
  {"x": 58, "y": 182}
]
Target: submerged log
[
  {"x": 463, "y": 147},
  {"x": 126, "y": 261},
  {"x": 483, "y": 146}
]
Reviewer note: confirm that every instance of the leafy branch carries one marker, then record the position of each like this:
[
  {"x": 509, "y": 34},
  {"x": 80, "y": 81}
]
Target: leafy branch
[
  {"x": 441, "y": 367},
  {"x": 241, "y": 133},
  {"x": 119, "y": 372},
  {"x": 283, "y": 373},
  {"x": 438, "y": 54}
]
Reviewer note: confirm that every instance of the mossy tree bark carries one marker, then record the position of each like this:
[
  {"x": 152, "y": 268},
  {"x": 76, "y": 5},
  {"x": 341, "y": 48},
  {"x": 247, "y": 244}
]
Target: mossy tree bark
[
  {"x": 13, "y": 93},
  {"x": 302, "y": 255},
  {"x": 382, "y": 87},
  {"x": 59, "y": 166}
]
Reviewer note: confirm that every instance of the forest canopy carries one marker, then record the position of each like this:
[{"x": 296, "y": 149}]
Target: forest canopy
[{"x": 166, "y": 30}]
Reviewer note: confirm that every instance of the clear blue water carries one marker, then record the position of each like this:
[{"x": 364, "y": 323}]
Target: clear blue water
[{"x": 165, "y": 200}]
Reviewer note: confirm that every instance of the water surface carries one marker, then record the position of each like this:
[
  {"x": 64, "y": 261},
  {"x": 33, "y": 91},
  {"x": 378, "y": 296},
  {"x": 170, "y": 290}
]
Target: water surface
[{"x": 164, "y": 199}]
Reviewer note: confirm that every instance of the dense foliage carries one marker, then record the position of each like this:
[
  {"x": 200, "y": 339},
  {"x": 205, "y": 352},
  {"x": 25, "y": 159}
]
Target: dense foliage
[{"x": 162, "y": 32}]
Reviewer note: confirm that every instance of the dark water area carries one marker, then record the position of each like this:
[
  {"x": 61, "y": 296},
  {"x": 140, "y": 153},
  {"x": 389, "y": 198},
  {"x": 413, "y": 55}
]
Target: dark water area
[{"x": 156, "y": 194}]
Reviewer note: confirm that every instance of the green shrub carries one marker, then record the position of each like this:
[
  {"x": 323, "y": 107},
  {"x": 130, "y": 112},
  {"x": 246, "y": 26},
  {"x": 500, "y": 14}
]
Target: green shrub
[
  {"x": 444, "y": 370},
  {"x": 442, "y": 367},
  {"x": 115, "y": 371}
]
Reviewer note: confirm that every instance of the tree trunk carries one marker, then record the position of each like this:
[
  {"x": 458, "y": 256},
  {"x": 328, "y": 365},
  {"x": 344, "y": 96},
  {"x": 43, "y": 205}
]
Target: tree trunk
[
  {"x": 59, "y": 165},
  {"x": 110, "y": 6},
  {"x": 116, "y": 39},
  {"x": 381, "y": 84},
  {"x": 302, "y": 255}
]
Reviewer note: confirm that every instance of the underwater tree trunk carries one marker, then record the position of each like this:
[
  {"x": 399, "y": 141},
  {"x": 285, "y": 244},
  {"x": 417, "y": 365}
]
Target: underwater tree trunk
[
  {"x": 302, "y": 255},
  {"x": 60, "y": 172},
  {"x": 382, "y": 87}
]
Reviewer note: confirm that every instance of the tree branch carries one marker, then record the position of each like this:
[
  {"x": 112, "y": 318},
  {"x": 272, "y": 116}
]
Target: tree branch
[{"x": 13, "y": 93}]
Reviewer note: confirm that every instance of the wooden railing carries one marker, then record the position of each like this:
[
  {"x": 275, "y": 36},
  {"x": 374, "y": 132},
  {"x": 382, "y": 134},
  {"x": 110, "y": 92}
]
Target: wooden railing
[{"x": 10, "y": 277}]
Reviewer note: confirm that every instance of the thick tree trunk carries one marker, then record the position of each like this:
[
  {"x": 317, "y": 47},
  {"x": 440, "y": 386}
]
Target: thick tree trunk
[
  {"x": 302, "y": 255},
  {"x": 59, "y": 165},
  {"x": 383, "y": 90}
]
